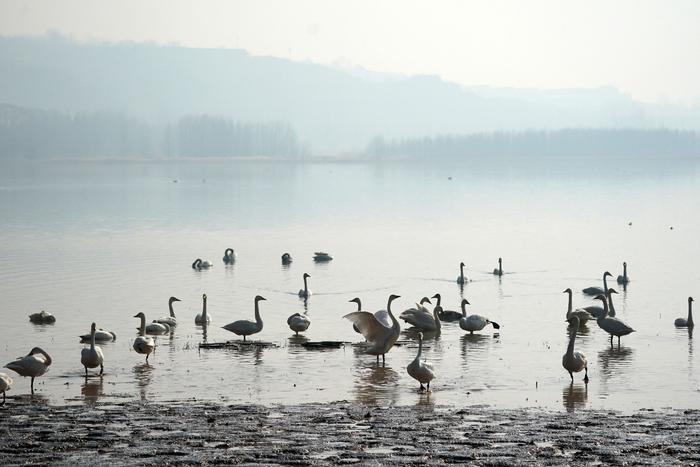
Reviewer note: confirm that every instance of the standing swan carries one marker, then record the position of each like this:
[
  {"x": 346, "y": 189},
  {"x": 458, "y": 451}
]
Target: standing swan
[
  {"x": 613, "y": 326},
  {"x": 298, "y": 323},
  {"x": 92, "y": 357},
  {"x": 203, "y": 319},
  {"x": 582, "y": 315},
  {"x": 305, "y": 292},
  {"x": 597, "y": 290},
  {"x": 143, "y": 344},
  {"x": 243, "y": 327},
  {"x": 199, "y": 264},
  {"x": 623, "y": 279},
  {"x": 573, "y": 362},
  {"x": 35, "y": 363},
  {"x": 461, "y": 279},
  {"x": 683, "y": 322},
  {"x": 169, "y": 320},
  {"x": 474, "y": 322},
  {"x": 5, "y": 385},
  {"x": 499, "y": 270},
  {"x": 421, "y": 372},
  {"x": 229, "y": 256},
  {"x": 380, "y": 336}
]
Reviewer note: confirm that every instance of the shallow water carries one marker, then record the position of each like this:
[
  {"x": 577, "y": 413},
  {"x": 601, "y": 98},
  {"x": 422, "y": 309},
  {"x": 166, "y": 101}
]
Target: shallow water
[{"x": 101, "y": 242}]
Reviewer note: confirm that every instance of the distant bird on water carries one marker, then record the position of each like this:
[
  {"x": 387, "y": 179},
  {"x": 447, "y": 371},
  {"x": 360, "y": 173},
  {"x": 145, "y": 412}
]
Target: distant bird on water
[{"x": 686, "y": 322}]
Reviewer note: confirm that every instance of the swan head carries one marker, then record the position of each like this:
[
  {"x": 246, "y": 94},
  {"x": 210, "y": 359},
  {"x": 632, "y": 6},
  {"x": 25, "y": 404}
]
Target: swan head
[
  {"x": 690, "y": 300},
  {"x": 611, "y": 290},
  {"x": 600, "y": 297},
  {"x": 425, "y": 300},
  {"x": 197, "y": 262},
  {"x": 607, "y": 274},
  {"x": 567, "y": 291},
  {"x": 465, "y": 302},
  {"x": 228, "y": 252},
  {"x": 461, "y": 265},
  {"x": 35, "y": 351},
  {"x": 500, "y": 260},
  {"x": 173, "y": 299},
  {"x": 306, "y": 275},
  {"x": 204, "y": 297},
  {"x": 140, "y": 315},
  {"x": 393, "y": 297},
  {"x": 624, "y": 264},
  {"x": 355, "y": 300},
  {"x": 93, "y": 327},
  {"x": 436, "y": 296},
  {"x": 258, "y": 298}
]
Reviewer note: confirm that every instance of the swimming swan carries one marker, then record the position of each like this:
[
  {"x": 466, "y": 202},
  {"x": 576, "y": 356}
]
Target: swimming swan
[
  {"x": 582, "y": 315},
  {"x": 143, "y": 344},
  {"x": 421, "y": 318},
  {"x": 42, "y": 318},
  {"x": 322, "y": 257},
  {"x": 596, "y": 310},
  {"x": 298, "y": 323},
  {"x": 499, "y": 270},
  {"x": 305, "y": 292},
  {"x": 157, "y": 329},
  {"x": 623, "y": 279},
  {"x": 35, "y": 363},
  {"x": 613, "y": 326},
  {"x": 199, "y": 264},
  {"x": 203, "y": 319},
  {"x": 169, "y": 320},
  {"x": 573, "y": 362},
  {"x": 473, "y": 323},
  {"x": 421, "y": 372},
  {"x": 461, "y": 279},
  {"x": 686, "y": 322},
  {"x": 5, "y": 385},
  {"x": 286, "y": 258},
  {"x": 229, "y": 256},
  {"x": 101, "y": 336},
  {"x": 243, "y": 327},
  {"x": 92, "y": 357},
  {"x": 597, "y": 290},
  {"x": 378, "y": 333}
]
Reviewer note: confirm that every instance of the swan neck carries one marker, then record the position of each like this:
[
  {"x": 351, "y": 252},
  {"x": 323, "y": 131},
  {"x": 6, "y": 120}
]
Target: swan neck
[
  {"x": 359, "y": 305},
  {"x": 464, "y": 309},
  {"x": 439, "y": 299},
  {"x": 92, "y": 338},
  {"x": 624, "y": 270},
  {"x": 258, "y": 319},
  {"x": 306, "y": 289},
  {"x": 605, "y": 283},
  {"x": 420, "y": 349},
  {"x": 170, "y": 307},
  {"x": 394, "y": 322},
  {"x": 437, "y": 318},
  {"x": 570, "y": 307},
  {"x": 610, "y": 303},
  {"x": 461, "y": 272},
  {"x": 204, "y": 310},
  {"x": 605, "y": 309},
  {"x": 572, "y": 339},
  {"x": 690, "y": 314},
  {"x": 142, "y": 328}
]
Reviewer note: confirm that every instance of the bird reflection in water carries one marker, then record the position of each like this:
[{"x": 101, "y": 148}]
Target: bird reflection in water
[
  {"x": 143, "y": 374},
  {"x": 575, "y": 396},
  {"x": 92, "y": 389},
  {"x": 614, "y": 360},
  {"x": 376, "y": 384},
  {"x": 475, "y": 343},
  {"x": 583, "y": 330}
]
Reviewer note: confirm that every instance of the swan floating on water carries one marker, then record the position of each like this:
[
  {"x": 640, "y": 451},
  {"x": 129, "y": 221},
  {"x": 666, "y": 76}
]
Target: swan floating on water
[
  {"x": 5, "y": 385},
  {"x": 92, "y": 357},
  {"x": 143, "y": 344},
  {"x": 322, "y": 257},
  {"x": 42, "y": 318},
  {"x": 169, "y": 320},
  {"x": 298, "y": 323},
  {"x": 200, "y": 264},
  {"x": 597, "y": 290},
  {"x": 596, "y": 310},
  {"x": 203, "y": 319},
  {"x": 686, "y": 322},
  {"x": 573, "y": 362},
  {"x": 286, "y": 258},
  {"x": 229, "y": 256},
  {"x": 582, "y": 315},
  {"x": 101, "y": 336},
  {"x": 613, "y": 326},
  {"x": 449, "y": 316},
  {"x": 157, "y": 329},
  {"x": 34, "y": 364},
  {"x": 243, "y": 327},
  {"x": 461, "y": 279},
  {"x": 305, "y": 292},
  {"x": 473, "y": 323},
  {"x": 380, "y": 334},
  {"x": 499, "y": 270},
  {"x": 421, "y": 318},
  {"x": 421, "y": 372},
  {"x": 623, "y": 279}
]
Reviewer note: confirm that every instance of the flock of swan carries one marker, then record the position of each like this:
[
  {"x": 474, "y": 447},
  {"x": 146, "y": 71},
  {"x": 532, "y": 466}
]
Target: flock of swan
[{"x": 380, "y": 329}]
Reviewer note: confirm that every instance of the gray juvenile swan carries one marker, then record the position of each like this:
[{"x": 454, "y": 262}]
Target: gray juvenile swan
[
  {"x": 244, "y": 327},
  {"x": 35, "y": 363},
  {"x": 461, "y": 279},
  {"x": 597, "y": 290},
  {"x": 229, "y": 256},
  {"x": 92, "y": 357},
  {"x": 474, "y": 322},
  {"x": 379, "y": 334},
  {"x": 613, "y": 326},
  {"x": 686, "y": 322},
  {"x": 421, "y": 372},
  {"x": 573, "y": 362},
  {"x": 623, "y": 279}
]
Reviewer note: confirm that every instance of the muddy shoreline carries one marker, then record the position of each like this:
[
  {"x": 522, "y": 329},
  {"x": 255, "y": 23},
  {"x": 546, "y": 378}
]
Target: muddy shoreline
[{"x": 192, "y": 432}]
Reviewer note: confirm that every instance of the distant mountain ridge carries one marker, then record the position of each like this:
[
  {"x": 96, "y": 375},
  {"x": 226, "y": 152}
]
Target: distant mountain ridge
[{"x": 332, "y": 111}]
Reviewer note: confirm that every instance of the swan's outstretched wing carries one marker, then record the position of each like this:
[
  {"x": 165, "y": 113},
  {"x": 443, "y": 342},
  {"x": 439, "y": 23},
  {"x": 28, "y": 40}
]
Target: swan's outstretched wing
[
  {"x": 368, "y": 324},
  {"x": 383, "y": 318}
]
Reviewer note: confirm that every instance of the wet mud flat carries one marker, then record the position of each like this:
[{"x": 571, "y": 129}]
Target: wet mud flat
[{"x": 340, "y": 433}]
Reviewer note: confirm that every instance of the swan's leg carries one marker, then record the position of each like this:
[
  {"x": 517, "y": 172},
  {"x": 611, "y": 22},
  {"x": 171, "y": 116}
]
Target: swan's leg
[
  {"x": 146, "y": 358},
  {"x": 102, "y": 369},
  {"x": 585, "y": 378},
  {"x": 572, "y": 375},
  {"x": 611, "y": 340},
  {"x": 86, "y": 372},
  {"x": 421, "y": 387},
  {"x": 428, "y": 385},
  {"x": 618, "y": 342},
  {"x": 297, "y": 332},
  {"x": 383, "y": 359},
  {"x": 32, "y": 385},
  {"x": 377, "y": 359},
  {"x": 3, "y": 399},
  {"x": 243, "y": 337}
]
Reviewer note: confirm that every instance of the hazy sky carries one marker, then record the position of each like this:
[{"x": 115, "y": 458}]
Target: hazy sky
[{"x": 647, "y": 48}]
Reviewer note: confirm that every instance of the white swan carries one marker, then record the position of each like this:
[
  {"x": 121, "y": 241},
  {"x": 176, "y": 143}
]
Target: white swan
[
  {"x": 200, "y": 264},
  {"x": 461, "y": 279},
  {"x": 35, "y": 363},
  {"x": 421, "y": 372},
  {"x": 305, "y": 292},
  {"x": 473, "y": 323},
  {"x": 421, "y": 318},
  {"x": 298, "y": 323},
  {"x": 157, "y": 329},
  {"x": 378, "y": 333},
  {"x": 92, "y": 357},
  {"x": 229, "y": 256},
  {"x": 686, "y": 322},
  {"x": 623, "y": 279},
  {"x": 582, "y": 315},
  {"x": 286, "y": 258},
  {"x": 203, "y": 319},
  {"x": 613, "y": 326},
  {"x": 243, "y": 327},
  {"x": 169, "y": 320},
  {"x": 101, "y": 336},
  {"x": 322, "y": 257},
  {"x": 499, "y": 270},
  {"x": 143, "y": 344},
  {"x": 42, "y": 318},
  {"x": 5, "y": 385},
  {"x": 573, "y": 362},
  {"x": 597, "y": 290},
  {"x": 596, "y": 310}
]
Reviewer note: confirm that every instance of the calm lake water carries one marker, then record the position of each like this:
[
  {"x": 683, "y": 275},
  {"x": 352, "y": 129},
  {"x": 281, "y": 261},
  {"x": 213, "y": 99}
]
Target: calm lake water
[{"x": 102, "y": 242}]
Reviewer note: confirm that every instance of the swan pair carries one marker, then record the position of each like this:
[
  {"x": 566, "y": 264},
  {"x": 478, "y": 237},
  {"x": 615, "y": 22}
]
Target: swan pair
[
  {"x": 42, "y": 318},
  {"x": 613, "y": 326},
  {"x": 229, "y": 256},
  {"x": 200, "y": 264},
  {"x": 473, "y": 323},
  {"x": 421, "y": 371},
  {"x": 380, "y": 329},
  {"x": 574, "y": 362},
  {"x": 446, "y": 315},
  {"x": 686, "y": 322},
  {"x": 34, "y": 364},
  {"x": 92, "y": 357},
  {"x": 244, "y": 327}
]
